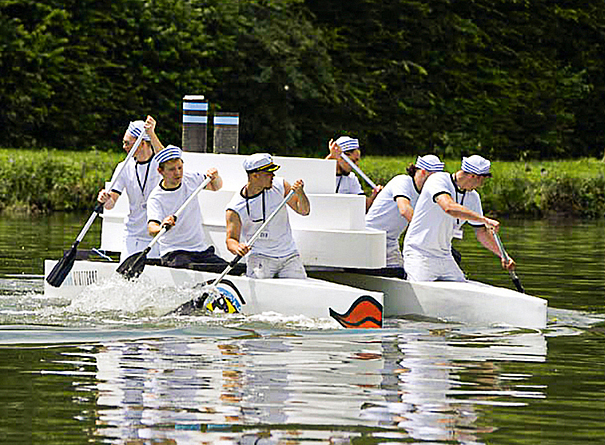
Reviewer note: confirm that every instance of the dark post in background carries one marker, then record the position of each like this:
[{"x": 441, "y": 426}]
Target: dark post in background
[
  {"x": 195, "y": 124},
  {"x": 226, "y": 132},
  {"x": 199, "y": 122}
]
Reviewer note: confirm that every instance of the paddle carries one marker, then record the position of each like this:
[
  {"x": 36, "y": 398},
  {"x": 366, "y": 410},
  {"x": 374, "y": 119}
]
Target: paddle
[
  {"x": 211, "y": 290},
  {"x": 358, "y": 170},
  {"x": 134, "y": 265},
  {"x": 63, "y": 267},
  {"x": 504, "y": 255}
]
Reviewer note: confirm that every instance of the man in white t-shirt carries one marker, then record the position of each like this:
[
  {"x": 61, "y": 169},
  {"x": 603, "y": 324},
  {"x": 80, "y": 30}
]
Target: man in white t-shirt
[
  {"x": 394, "y": 206},
  {"x": 138, "y": 178},
  {"x": 445, "y": 201},
  {"x": 274, "y": 253},
  {"x": 346, "y": 180},
  {"x": 184, "y": 245}
]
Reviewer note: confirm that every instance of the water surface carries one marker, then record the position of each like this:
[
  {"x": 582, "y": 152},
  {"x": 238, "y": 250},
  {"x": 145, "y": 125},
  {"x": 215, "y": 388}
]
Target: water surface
[{"x": 74, "y": 374}]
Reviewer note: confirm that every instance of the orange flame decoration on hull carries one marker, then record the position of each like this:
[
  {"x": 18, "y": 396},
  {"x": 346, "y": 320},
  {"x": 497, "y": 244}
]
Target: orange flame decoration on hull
[{"x": 364, "y": 313}]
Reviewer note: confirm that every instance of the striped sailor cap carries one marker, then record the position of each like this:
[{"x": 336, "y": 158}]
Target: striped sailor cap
[
  {"x": 169, "y": 153},
  {"x": 476, "y": 165},
  {"x": 136, "y": 127},
  {"x": 347, "y": 144},
  {"x": 430, "y": 163}
]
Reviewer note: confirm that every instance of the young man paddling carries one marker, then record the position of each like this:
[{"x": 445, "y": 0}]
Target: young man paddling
[
  {"x": 274, "y": 254},
  {"x": 447, "y": 200},
  {"x": 185, "y": 244},
  {"x": 393, "y": 207},
  {"x": 346, "y": 180},
  {"x": 138, "y": 179}
]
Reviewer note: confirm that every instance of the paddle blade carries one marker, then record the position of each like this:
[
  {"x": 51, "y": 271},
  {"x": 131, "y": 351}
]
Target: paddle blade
[
  {"x": 213, "y": 300},
  {"x": 133, "y": 266},
  {"x": 56, "y": 276},
  {"x": 202, "y": 303},
  {"x": 189, "y": 308}
]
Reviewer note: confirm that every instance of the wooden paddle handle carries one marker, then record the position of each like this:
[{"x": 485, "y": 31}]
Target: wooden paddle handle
[{"x": 503, "y": 253}]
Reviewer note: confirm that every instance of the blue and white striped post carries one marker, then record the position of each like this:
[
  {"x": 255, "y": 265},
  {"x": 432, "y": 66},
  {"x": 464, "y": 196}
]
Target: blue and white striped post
[
  {"x": 195, "y": 124},
  {"x": 226, "y": 133}
]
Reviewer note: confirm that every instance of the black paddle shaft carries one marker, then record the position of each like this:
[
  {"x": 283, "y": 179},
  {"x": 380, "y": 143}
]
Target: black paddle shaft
[
  {"x": 57, "y": 276},
  {"x": 512, "y": 273}
]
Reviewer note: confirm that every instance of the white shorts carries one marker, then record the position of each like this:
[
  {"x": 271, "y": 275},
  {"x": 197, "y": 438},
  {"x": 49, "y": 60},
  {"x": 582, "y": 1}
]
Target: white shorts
[
  {"x": 262, "y": 266},
  {"x": 132, "y": 245},
  {"x": 423, "y": 268},
  {"x": 394, "y": 256}
]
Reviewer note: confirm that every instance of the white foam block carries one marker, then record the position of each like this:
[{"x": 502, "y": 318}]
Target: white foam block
[{"x": 319, "y": 175}]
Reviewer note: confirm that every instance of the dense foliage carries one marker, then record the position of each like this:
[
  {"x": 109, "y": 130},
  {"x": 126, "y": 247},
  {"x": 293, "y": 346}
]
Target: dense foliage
[{"x": 511, "y": 79}]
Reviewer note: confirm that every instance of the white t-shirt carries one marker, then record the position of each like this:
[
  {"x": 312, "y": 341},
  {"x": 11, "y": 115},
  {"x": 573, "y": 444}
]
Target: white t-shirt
[
  {"x": 138, "y": 179},
  {"x": 384, "y": 213},
  {"x": 431, "y": 230},
  {"x": 187, "y": 233},
  {"x": 276, "y": 240},
  {"x": 348, "y": 184}
]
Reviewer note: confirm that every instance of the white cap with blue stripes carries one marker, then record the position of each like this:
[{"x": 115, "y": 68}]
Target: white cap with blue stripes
[
  {"x": 136, "y": 127},
  {"x": 430, "y": 163},
  {"x": 347, "y": 144},
  {"x": 476, "y": 165},
  {"x": 169, "y": 153}
]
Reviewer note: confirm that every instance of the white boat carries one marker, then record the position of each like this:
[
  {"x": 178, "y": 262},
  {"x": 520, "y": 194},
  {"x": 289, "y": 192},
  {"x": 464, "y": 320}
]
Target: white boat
[
  {"x": 312, "y": 298},
  {"x": 469, "y": 302},
  {"x": 332, "y": 238}
]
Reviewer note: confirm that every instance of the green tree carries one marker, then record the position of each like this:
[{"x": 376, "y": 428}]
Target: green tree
[
  {"x": 31, "y": 59},
  {"x": 279, "y": 79},
  {"x": 451, "y": 76}
]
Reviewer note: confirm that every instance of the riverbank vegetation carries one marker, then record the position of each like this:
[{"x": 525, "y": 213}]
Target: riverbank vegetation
[
  {"x": 524, "y": 79},
  {"x": 53, "y": 180}
]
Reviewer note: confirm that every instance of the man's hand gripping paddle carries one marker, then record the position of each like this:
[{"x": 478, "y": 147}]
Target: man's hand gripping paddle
[
  {"x": 504, "y": 255},
  {"x": 63, "y": 267},
  {"x": 134, "y": 265},
  {"x": 210, "y": 292}
]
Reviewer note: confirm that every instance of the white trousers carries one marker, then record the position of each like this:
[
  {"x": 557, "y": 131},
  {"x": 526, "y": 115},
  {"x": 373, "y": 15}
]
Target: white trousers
[
  {"x": 132, "y": 245},
  {"x": 422, "y": 268},
  {"x": 394, "y": 256},
  {"x": 262, "y": 266}
]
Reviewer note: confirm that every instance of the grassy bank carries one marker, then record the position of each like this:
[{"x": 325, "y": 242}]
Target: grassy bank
[
  {"x": 46, "y": 181},
  {"x": 533, "y": 189}
]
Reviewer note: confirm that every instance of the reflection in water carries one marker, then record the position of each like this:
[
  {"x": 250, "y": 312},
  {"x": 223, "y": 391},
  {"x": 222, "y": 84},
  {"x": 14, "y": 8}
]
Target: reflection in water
[
  {"x": 426, "y": 386},
  {"x": 434, "y": 383}
]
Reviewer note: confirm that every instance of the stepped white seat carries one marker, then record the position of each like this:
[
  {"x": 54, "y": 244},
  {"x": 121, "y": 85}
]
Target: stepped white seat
[{"x": 333, "y": 235}]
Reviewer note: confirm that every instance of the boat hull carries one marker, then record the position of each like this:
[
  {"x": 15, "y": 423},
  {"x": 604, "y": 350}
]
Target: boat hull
[
  {"x": 468, "y": 302},
  {"x": 313, "y": 298}
]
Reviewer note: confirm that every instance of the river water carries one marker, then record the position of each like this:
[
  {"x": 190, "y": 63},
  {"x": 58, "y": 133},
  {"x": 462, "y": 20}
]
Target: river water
[{"x": 77, "y": 376}]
